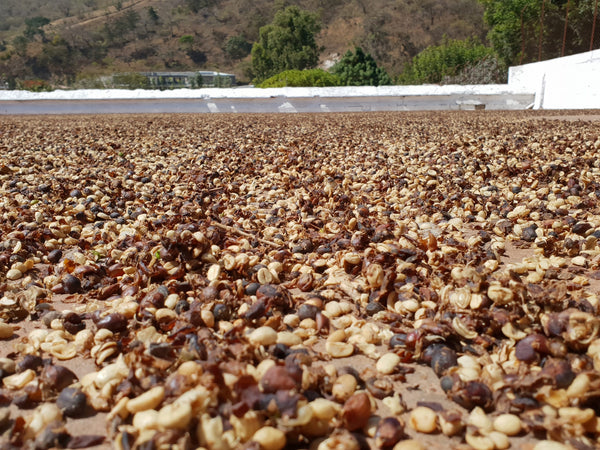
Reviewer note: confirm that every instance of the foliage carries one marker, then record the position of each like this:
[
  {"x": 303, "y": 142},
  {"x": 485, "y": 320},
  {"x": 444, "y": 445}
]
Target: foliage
[
  {"x": 360, "y": 69},
  {"x": 131, "y": 81},
  {"x": 92, "y": 52},
  {"x": 287, "y": 43},
  {"x": 508, "y": 21},
  {"x": 59, "y": 59},
  {"x": 448, "y": 59},
  {"x": 515, "y": 27},
  {"x": 187, "y": 40},
  {"x": 34, "y": 26},
  {"x": 237, "y": 47},
  {"x": 301, "y": 78},
  {"x": 581, "y": 17}
]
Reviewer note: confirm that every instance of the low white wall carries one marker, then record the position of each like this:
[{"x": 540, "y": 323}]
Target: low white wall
[
  {"x": 571, "y": 82},
  {"x": 276, "y": 104},
  {"x": 256, "y": 93},
  {"x": 288, "y": 100}
]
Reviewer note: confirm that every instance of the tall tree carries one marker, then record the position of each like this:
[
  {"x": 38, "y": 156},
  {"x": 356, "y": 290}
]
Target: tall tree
[
  {"x": 287, "y": 43},
  {"x": 510, "y": 24}
]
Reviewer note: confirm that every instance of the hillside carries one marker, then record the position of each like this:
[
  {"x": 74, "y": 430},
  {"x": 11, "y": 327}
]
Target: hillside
[{"x": 85, "y": 38}]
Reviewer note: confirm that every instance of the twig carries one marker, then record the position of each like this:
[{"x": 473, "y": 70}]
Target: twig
[{"x": 245, "y": 234}]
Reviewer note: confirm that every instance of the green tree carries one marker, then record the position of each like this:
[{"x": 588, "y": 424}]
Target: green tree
[
  {"x": 512, "y": 22},
  {"x": 237, "y": 47},
  {"x": 301, "y": 78},
  {"x": 360, "y": 69},
  {"x": 435, "y": 63},
  {"x": 287, "y": 43},
  {"x": 34, "y": 26}
]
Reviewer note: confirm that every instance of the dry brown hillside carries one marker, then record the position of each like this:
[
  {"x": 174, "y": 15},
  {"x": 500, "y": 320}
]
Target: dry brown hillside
[{"x": 100, "y": 36}]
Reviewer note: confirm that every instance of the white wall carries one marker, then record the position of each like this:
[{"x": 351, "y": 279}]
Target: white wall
[
  {"x": 288, "y": 100},
  {"x": 571, "y": 82}
]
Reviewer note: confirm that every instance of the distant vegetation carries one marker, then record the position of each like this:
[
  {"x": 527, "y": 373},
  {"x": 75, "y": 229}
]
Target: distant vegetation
[
  {"x": 448, "y": 59},
  {"x": 357, "y": 68},
  {"x": 301, "y": 78},
  {"x": 515, "y": 28},
  {"x": 94, "y": 38},
  {"x": 289, "y": 42},
  {"x": 72, "y": 43}
]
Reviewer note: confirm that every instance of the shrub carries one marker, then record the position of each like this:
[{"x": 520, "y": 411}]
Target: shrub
[
  {"x": 301, "y": 78},
  {"x": 237, "y": 47},
  {"x": 445, "y": 60},
  {"x": 187, "y": 40},
  {"x": 360, "y": 69}
]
